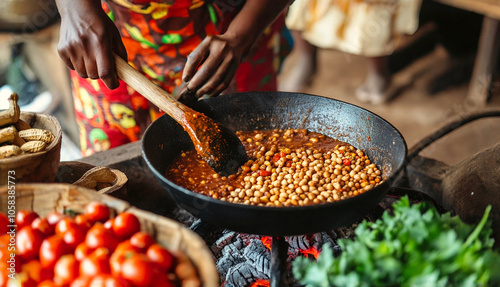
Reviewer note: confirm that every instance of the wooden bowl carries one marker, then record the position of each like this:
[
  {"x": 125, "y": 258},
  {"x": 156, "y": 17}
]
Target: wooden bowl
[
  {"x": 47, "y": 197},
  {"x": 35, "y": 167}
]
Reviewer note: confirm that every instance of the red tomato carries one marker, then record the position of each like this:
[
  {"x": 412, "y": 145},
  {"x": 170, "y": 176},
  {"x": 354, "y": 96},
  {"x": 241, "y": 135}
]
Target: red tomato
[
  {"x": 21, "y": 280},
  {"x": 346, "y": 161},
  {"x": 141, "y": 240},
  {"x": 105, "y": 280},
  {"x": 82, "y": 251},
  {"x": 43, "y": 225},
  {"x": 66, "y": 270},
  {"x": 4, "y": 240},
  {"x": 74, "y": 236},
  {"x": 97, "y": 211},
  {"x": 123, "y": 251},
  {"x": 109, "y": 224},
  {"x": 162, "y": 280},
  {"x": 81, "y": 281},
  {"x": 47, "y": 283},
  {"x": 96, "y": 263},
  {"x": 98, "y": 236},
  {"x": 125, "y": 245},
  {"x": 65, "y": 224},
  {"x": 4, "y": 221},
  {"x": 126, "y": 224},
  {"x": 83, "y": 221},
  {"x": 4, "y": 254},
  {"x": 54, "y": 217},
  {"x": 28, "y": 242},
  {"x": 25, "y": 218},
  {"x": 161, "y": 256},
  {"x": 51, "y": 250},
  {"x": 4, "y": 273},
  {"x": 138, "y": 270},
  {"x": 35, "y": 271}
]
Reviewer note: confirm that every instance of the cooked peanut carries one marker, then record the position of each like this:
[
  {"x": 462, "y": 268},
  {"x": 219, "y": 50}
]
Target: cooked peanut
[
  {"x": 286, "y": 174},
  {"x": 9, "y": 150},
  {"x": 33, "y": 146},
  {"x": 37, "y": 135}
]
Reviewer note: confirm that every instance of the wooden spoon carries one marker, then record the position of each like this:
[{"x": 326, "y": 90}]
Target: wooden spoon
[{"x": 216, "y": 144}]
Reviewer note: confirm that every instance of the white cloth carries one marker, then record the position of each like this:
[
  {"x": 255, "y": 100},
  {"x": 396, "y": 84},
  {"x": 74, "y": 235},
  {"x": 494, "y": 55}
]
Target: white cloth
[{"x": 364, "y": 27}]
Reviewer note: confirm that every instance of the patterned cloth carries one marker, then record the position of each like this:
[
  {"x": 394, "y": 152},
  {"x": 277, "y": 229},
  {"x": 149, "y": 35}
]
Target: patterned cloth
[{"x": 158, "y": 36}]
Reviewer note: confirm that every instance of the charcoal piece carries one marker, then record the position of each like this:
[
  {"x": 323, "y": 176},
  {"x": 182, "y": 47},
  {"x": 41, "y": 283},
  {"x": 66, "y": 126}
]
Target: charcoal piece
[
  {"x": 304, "y": 242},
  {"x": 258, "y": 256},
  {"x": 182, "y": 216},
  {"x": 226, "y": 262},
  {"x": 243, "y": 274},
  {"x": 326, "y": 238},
  {"x": 233, "y": 247},
  {"x": 225, "y": 239},
  {"x": 337, "y": 250}
]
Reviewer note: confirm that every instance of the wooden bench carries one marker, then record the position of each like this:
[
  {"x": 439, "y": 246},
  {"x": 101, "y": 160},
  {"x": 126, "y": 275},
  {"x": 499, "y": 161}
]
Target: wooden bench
[{"x": 487, "y": 53}]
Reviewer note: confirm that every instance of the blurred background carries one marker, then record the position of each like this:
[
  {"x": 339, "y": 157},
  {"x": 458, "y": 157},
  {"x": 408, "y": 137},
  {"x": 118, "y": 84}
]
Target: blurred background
[{"x": 429, "y": 85}]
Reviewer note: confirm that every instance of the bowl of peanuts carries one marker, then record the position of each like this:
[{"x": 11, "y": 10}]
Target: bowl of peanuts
[{"x": 30, "y": 145}]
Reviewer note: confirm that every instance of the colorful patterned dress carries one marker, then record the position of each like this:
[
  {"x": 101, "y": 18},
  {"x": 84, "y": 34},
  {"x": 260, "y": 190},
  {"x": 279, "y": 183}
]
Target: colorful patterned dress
[{"x": 158, "y": 36}]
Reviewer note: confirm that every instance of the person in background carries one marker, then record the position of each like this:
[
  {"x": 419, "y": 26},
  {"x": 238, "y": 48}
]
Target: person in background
[
  {"x": 213, "y": 46},
  {"x": 370, "y": 28}
]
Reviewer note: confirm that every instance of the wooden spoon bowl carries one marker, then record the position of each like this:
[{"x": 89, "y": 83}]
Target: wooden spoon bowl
[{"x": 216, "y": 144}]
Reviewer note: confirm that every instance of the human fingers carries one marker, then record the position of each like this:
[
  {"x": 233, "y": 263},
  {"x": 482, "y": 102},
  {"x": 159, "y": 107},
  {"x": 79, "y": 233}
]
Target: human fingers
[
  {"x": 219, "y": 52},
  {"x": 226, "y": 82},
  {"x": 195, "y": 59},
  {"x": 106, "y": 63},
  {"x": 220, "y": 79}
]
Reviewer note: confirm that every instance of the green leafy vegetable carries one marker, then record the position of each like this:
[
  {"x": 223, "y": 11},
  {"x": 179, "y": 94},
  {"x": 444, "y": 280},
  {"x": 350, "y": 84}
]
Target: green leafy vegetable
[{"x": 414, "y": 246}]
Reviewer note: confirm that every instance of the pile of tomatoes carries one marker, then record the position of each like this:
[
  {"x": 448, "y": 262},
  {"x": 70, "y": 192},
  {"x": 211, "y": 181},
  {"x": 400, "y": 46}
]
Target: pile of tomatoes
[{"x": 89, "y": 249}]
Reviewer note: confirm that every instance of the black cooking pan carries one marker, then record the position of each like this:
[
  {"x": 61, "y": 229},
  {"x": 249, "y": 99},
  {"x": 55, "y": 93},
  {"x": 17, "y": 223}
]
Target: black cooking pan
[{"x": 164, "y": 140}]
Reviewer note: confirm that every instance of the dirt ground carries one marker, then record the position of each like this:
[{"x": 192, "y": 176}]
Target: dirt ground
[{"x": 415, "y": 111}]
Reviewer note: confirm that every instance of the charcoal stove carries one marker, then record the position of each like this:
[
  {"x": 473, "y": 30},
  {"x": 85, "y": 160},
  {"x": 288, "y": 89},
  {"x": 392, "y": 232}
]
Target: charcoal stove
[{"x": 422, "y": 180}]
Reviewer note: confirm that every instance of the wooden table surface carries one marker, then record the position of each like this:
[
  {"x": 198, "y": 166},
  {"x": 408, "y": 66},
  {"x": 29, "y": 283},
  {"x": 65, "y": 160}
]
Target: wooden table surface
[{"x": 490, "y": 8}]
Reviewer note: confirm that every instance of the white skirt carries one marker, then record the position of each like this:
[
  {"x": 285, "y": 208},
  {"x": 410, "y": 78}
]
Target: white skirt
[{"x": 369, "y": 28}]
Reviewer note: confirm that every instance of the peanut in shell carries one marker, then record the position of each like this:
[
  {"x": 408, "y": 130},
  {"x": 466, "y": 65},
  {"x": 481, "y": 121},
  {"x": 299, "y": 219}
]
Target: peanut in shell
[
  {"x": 7, "y": 134},
  {"x": 37, "y": 135},
  {"x": 9, "y": 151},
  {"x": 33, "y": 146}
]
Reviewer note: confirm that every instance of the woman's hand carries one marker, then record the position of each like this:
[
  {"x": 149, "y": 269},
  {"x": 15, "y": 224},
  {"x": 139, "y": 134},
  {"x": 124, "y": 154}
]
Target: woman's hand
[
  {"x": 212, "y": 65},
  {"x": 88, "y": 40}
]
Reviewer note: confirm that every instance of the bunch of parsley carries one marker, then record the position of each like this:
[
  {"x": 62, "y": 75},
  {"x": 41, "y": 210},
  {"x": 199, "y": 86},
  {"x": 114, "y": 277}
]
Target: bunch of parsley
[{"x": 414, "y": 246}]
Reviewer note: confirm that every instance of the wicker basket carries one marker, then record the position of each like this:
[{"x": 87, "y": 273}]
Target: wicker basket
[
  {"x": 44, "y": 198},
  {"x": 39, "y": 166}
]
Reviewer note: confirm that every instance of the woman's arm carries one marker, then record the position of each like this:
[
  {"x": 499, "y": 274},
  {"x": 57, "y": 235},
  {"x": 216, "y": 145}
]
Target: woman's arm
[
  {"x": 218, "y": 57},
  {"x": 88, "y": 40}
]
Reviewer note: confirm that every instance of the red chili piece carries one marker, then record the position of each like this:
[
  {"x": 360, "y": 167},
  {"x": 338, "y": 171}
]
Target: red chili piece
[{"x": 262, "y": 172}]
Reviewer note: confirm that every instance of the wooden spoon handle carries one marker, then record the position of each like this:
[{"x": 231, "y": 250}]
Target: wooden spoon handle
[{"x": 155, "y": 94}]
